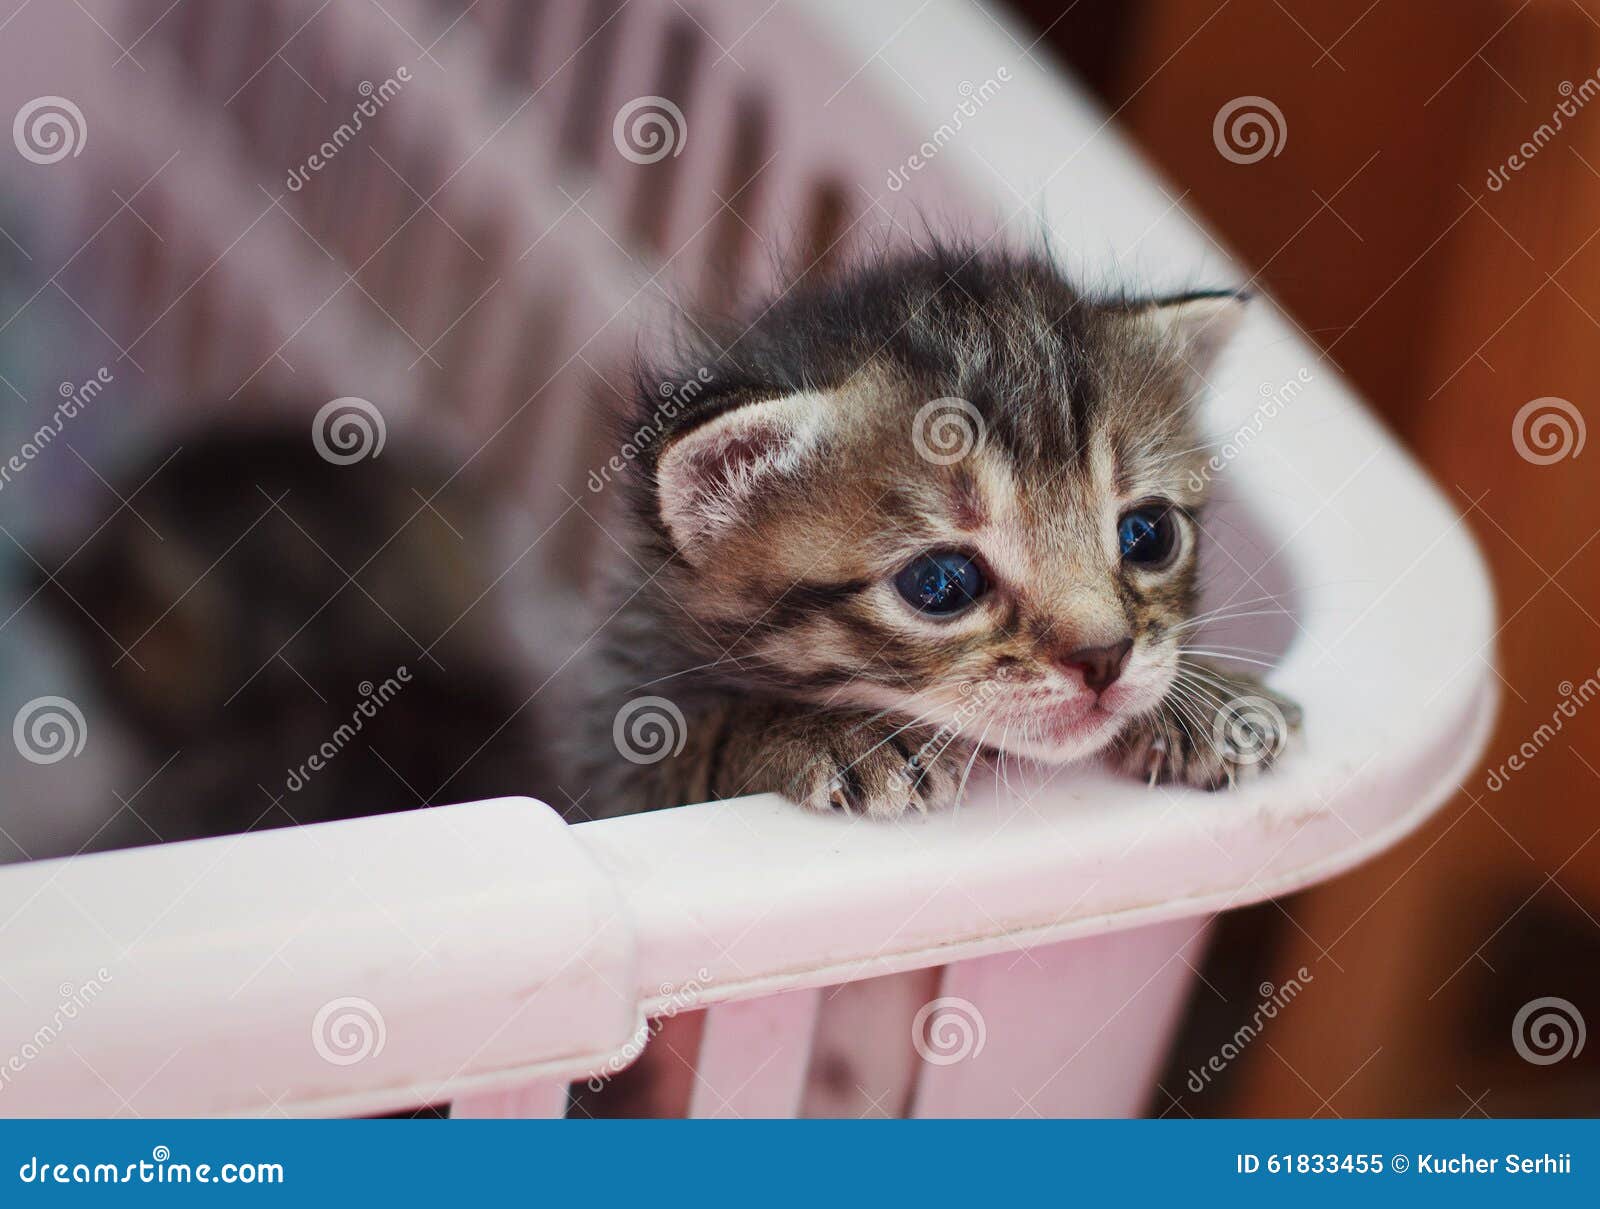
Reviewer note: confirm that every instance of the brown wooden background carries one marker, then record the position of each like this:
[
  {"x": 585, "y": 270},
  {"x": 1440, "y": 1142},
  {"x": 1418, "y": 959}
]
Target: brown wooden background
[{"x": 1450, "y": 305}]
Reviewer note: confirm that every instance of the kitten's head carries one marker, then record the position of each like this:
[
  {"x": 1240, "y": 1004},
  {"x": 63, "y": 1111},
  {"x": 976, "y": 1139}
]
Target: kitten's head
[{"x": 948, "y": 486}]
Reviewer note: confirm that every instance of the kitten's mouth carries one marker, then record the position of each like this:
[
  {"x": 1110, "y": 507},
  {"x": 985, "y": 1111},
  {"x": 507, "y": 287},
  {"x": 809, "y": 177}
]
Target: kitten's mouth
[
  {"x": 1065, "y": 722},
  {"x": 1066, "y": 726}
]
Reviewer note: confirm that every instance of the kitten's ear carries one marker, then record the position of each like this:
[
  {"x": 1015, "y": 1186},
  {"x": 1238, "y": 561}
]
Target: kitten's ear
[
  {"x": 1198, "y": 327},
  {"x": 707, "y": 478}
]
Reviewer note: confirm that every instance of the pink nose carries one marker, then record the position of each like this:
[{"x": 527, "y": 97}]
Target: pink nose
[{"x": 1099, "y": 665}]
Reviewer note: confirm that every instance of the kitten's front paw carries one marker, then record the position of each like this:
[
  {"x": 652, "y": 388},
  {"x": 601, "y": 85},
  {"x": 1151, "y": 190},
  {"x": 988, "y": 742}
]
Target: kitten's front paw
[
  {"x": 1215, "y": 730},
  {"x": 878, "y": 770}
]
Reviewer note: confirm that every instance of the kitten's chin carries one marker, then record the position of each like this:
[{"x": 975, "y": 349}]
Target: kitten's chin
[{"x": 1062, "y": 733}]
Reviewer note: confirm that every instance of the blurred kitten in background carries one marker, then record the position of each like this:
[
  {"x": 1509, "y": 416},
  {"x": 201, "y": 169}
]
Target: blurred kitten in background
[{"x": 291, "y": 641}]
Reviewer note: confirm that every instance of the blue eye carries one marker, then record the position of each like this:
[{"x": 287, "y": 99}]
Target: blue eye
[
  {"x": 941, "y": 583},
  {"x": 1146, "y": 536}
]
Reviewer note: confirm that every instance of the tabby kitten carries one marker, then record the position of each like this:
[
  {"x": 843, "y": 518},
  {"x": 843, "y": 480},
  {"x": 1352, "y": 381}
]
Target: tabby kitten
[{"x": 945, "y": 504}]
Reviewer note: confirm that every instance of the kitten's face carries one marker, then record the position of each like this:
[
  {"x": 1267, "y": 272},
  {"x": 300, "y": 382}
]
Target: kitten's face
[{"x": 1005, "y": 549}]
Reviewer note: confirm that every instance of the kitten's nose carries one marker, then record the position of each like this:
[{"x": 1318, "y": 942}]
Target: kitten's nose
[{"x": 1099, "y": 665}]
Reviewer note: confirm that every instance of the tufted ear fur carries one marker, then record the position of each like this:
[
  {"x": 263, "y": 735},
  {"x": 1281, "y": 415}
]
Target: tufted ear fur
[
  {"x": 1198, "y": 327},
  {"x": 707, "y": 478}
]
